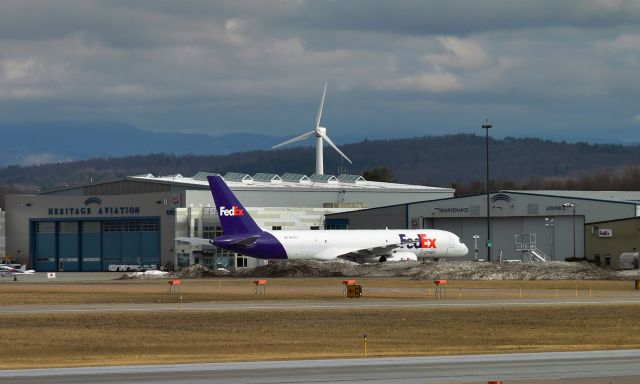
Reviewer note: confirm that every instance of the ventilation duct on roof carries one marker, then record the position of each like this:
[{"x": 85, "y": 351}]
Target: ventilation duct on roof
[
  {"x": 268, "y": 178},
  {"x": 203, "y": 175},
  {"x": 236, "y": 176},
  {"x": 327, "y": 179},
  {"x": 296, "y": 178},
  {"x": 353, "y": 179}
]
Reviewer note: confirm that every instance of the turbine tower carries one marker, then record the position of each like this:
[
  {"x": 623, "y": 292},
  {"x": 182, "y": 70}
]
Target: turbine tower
[{"x": 320, "y": 133}]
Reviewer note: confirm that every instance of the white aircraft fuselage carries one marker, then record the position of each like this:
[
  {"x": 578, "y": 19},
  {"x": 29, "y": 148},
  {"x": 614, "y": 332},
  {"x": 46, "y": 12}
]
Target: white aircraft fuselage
[{"x": 327, "y": 245}]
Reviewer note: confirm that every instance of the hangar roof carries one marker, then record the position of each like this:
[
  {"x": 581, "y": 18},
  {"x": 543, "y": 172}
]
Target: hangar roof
[
  {"x": 242, "y": 181},
  {"x": 595, "y": 195},
  {"x": 615, "y": 197},
  {"x": 288, "y": 181}
]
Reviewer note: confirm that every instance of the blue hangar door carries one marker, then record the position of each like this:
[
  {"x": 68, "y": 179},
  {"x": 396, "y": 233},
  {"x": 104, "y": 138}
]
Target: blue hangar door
[
  {"x": 55, "y": 246},
  {"x": 71, "y": 246},
  {"x": 44, "y": 246},
  {"x": 130, "y": 242},
  {"x": 68, "y": 246},
  {"x": 91, "y": 240},
  {"x": 150, "y": 243}
]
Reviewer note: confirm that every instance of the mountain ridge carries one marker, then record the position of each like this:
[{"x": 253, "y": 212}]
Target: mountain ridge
[
  {"x": 41, "y": 143},
  {"x": 430, "y": 160}
]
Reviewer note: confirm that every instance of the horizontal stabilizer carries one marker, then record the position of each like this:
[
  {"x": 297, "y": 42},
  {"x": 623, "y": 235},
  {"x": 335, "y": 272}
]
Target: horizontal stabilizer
[
  {"x": 194, "y": 240},
  {"x": 247, "y": 241}
]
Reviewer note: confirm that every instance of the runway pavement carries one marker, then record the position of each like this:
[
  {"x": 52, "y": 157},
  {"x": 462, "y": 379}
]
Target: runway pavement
[
  {"x": 69, "y": 277},
  {"x": 618, "y": 366},
  {"x": 303, "y": 304}
]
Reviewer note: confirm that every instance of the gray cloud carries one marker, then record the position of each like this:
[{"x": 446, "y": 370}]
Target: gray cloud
[
  {"x": 560, "y": 69},
  {"x": 457, "y": 17}
]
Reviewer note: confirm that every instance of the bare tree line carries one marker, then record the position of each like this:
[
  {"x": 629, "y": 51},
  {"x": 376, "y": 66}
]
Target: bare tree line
[{"x": 603, "y": 179}]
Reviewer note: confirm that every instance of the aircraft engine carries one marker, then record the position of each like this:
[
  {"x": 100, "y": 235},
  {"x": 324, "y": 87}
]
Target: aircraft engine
[{"x": 398, "y": 256}]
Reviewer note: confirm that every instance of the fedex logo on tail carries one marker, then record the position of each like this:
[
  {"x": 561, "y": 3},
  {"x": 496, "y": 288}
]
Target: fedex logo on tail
[
  {"x": 233, "y": 211},
  {"x": 421, "y": 242}
]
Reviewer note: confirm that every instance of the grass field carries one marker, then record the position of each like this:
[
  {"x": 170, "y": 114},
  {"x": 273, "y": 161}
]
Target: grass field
[
  {"x": 47, "y": 340},
  {"x": 89, "y": 339}
]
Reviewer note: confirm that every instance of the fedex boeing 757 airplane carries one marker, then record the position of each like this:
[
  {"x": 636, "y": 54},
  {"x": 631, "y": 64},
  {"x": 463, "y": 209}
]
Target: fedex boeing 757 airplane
[{"x": 243, "y": 235}]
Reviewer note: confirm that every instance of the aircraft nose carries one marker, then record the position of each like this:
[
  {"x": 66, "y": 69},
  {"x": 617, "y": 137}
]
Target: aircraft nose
[{"x": 457, "y": 248}]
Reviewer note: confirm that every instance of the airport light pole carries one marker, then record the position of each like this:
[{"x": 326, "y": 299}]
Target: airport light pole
[
  {"x": 573, "y": 207},
  {"x": 475, "y": 247},
  {"x": 487, "y": 126}
]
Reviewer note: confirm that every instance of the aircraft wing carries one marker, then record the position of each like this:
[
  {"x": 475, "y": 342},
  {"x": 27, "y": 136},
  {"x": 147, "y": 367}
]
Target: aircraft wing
[
  {"x": 194, "y": 240},
  {"x": 333, "y": 253},
  {"x": 377, "y": 251}
]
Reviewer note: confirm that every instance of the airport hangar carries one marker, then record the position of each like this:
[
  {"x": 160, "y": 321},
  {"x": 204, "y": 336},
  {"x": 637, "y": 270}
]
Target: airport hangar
[
  {"x": 525, "y": 225},
  {"x": 134, "y": 221}
]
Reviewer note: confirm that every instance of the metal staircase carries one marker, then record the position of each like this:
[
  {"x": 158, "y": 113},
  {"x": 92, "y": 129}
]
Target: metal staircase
[
  {"x": 534, "y": 255},
  {"x": 526, "y": 243}
]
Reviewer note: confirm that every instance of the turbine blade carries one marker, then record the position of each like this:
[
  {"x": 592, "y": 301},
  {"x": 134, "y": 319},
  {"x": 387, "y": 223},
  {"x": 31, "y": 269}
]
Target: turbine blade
[
  {"x": 324, "y": 92},
  {"x": 298, "y": 138},
  {"x": 334, "y": 147}
]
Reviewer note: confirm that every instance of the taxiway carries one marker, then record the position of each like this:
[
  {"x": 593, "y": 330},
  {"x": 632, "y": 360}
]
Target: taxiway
[{"x": 619, "y": 366}]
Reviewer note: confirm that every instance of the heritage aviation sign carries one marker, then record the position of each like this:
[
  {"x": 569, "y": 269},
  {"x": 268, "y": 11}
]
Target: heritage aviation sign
[{"x": 87, "y": 210}]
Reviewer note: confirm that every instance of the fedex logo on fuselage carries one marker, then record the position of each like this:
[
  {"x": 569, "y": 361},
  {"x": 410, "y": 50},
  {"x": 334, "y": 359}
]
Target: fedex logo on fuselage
[
  {"x": 233, "y": 211},
  {"x": 421, "y": 242}
]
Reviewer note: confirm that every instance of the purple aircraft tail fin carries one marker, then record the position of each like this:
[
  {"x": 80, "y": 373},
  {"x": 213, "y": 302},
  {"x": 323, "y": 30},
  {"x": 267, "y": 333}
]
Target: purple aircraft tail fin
[{"x": 233, "y": 217}]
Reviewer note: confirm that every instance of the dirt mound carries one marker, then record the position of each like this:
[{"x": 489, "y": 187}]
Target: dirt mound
[
  {"x": 556, "y": 270},
  {"x": 466, "y": 270},
  {"x": 307, "y": 268}
]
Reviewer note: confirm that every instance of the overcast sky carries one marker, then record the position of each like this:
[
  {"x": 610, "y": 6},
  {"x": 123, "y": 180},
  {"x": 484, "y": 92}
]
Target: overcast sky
[{"x": 552, "y": 69}]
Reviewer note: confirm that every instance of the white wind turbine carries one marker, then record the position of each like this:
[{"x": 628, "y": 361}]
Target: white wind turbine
[{"x": 320, "y": 133}]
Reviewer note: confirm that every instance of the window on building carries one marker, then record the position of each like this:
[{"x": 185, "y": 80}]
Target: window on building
[
  {"x": 112, "y": 226},
  {"x": 46, "y": 227},
  {"x": 91, "y": 227},
  {"x": 149, "y": 226},
  {"x": 208, "y": 261},
  {"x": 314, "y": 227},
  {"x": 209, "y": 231},
  {"x": 336, "y": 224},
  {"x": 224, "y": 262},
  {"x": 131, "y": 226},
  {"x": 182, "y": 259},
  {"x": 241, "y": 261},
  {"x": 68, "y": 227},
  {"x": 607, "y": 259}
]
